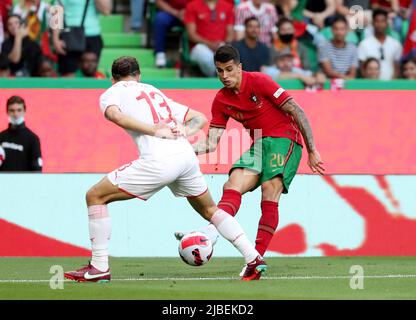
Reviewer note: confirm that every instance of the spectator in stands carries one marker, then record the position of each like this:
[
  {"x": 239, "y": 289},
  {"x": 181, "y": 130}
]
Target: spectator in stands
[
  {"x": 338, "y": 58},
  {"x": 35, "y": 15},
  {"x": 319, "y": 12},
  {"x": 46, "y": 68},
  {"x": 266, "y": 14},
  {"x": 136, "y": 8},
  {"x": 382, "y": 47},
  {"x": 89, "y": 66},
  {"x": 398, "y": 11},
  {"x": 286, "y": 40},
  {"x": 371, "y": 69},
  {"x": 409, "y": 68},
  {"x": 68, "y": 62},
  {"x": 253, "y": 53},
  {"x": 4, "y": 66},
  {"x": 170, "y": 14},
  {"x": 284, "y": 68},
  {"x": 209, "y": 24},
  {"x": 23, "y": 53},
  {"x": 21, "y": 146}
]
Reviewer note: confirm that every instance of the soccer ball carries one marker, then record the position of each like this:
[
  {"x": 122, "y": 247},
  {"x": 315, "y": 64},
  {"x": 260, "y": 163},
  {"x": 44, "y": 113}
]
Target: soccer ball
[{"x": 195, "y": 248}]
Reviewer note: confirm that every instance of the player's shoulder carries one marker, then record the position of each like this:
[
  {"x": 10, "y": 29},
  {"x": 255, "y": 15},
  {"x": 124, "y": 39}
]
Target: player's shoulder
[{"x": 258, "y": 78}]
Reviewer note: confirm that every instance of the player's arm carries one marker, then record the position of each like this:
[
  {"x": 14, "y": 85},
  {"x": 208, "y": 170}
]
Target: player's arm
[
  {"x": 292, "y": 108},
  {"x": 210, "y": 143},
  {"x": 114, "y": 114},
  {"x": 194, "y": 121}
]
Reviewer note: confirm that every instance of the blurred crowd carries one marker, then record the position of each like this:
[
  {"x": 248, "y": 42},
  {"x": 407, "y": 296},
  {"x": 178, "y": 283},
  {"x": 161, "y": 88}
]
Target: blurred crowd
[{"x": 310, "y": 40}]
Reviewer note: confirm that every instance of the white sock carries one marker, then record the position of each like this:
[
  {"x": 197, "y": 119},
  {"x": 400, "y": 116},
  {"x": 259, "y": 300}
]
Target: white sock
[
  {"x": 99, "y": 224},
  {"x": 231, "y": 230},
  {"x": 212, "y": 232}
]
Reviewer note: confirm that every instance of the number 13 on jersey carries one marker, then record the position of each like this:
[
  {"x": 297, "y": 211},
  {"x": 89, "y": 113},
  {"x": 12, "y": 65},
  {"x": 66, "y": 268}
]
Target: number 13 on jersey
[{"x": 160, "y": 104}]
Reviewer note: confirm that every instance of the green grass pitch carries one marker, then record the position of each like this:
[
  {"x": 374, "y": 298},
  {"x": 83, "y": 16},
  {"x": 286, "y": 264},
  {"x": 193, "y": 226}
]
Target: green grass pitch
[{"x": 171, "y": 279}]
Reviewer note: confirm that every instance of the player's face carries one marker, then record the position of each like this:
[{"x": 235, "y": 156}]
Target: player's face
[{"x": 230, "y": 74}]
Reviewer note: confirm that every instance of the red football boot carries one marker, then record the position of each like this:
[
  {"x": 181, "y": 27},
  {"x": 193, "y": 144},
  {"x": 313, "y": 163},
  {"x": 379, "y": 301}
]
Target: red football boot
[
  {"x": 254, "y": 269},
  {"x": 88, "y": 274}
]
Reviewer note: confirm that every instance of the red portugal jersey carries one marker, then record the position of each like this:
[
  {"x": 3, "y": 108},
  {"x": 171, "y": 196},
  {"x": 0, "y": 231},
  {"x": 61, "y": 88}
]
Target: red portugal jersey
[{"x": 256, "y": 106}]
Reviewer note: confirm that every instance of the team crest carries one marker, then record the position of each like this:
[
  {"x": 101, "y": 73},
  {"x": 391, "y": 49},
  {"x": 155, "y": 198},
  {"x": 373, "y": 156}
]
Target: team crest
[{"x": 256, "y": 100}]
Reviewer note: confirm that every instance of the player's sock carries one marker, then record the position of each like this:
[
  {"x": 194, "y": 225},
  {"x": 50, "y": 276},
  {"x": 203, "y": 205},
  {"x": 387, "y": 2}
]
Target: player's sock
[
  {"x": 99, "y": 225},
  {"x": 267, "y": 225},
  {"x": 230, "y": 201},
  {"x": 231, "y": 230},
  {"x": 212, "y": 233}
]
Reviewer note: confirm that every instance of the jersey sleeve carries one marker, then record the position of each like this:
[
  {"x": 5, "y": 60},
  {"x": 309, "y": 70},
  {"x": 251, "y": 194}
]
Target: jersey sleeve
[
  {"x": 35, "y": 163},
  {"x": 271, "y": 90},
  {"x": 219, "y": 117},
  {"x": 109, "y": 98}
]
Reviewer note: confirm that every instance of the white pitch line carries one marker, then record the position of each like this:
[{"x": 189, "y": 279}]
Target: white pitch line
[{"x": 387, "y": 276}]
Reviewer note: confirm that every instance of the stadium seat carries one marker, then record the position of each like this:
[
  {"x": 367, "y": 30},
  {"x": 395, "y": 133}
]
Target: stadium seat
[
  {"x": 108, "y": 55},
  {"x": 112, "y": 23},
  {"x": 122, "y": 40}
]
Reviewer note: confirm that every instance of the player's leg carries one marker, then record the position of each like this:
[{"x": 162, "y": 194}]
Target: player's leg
[
  {"x": 270, "y": 195},
  {"x": 99, "y": 225},
  {"x": 281, "y": 161},
  {"x": 230, "y": 229}
]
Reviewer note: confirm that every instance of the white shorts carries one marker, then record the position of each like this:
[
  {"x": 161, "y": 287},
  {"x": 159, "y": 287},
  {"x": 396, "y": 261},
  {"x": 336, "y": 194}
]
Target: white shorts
[{"x": 142, "y": 178}]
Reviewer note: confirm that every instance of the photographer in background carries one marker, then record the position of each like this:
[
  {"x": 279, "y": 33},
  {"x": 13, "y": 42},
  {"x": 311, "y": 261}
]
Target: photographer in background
[{"x": 19, "y": 146}]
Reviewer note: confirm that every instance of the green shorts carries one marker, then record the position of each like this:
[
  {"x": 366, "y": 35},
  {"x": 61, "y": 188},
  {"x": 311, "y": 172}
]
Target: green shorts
[{"x": 270, "y": 157}]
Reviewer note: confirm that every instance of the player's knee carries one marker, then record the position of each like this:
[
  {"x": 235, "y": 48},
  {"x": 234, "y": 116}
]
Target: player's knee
[
  {"x": 209, "y": 211},
  {"x": 93, "y": 197},
  {"x": 233, "y": 184},
  {"x": 271, "y": 190}
]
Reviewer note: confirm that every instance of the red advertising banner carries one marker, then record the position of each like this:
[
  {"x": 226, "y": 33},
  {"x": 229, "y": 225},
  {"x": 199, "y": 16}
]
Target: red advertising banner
[{"x": 356, "y": 132}]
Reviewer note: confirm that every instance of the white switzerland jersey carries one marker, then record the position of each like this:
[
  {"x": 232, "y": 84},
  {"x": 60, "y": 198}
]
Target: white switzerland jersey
[{"x": 147, "y": 104}]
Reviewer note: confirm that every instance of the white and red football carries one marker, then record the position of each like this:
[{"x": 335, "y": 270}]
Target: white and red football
[{"x": 195, "y": 248}]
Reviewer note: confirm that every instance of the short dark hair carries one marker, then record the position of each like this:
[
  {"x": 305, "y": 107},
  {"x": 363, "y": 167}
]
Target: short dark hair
[
  {"x": 125, "y": 66},
  {"x": 369, "y": 60},
  {"x": 282, "y": 21},
  {"x": 379, "y": 12},
  {"x": 13, "y": 100},
  {"x": 226, "y": 53},
  {"x": 248, "y": 20},
  {"x": 339, "y": 18},
  {"x": 14, "y": 15}
]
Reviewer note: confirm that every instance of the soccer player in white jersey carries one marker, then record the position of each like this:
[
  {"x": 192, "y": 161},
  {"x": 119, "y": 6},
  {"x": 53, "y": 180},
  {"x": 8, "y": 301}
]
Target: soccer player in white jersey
[{"x": 159, "y": 127}]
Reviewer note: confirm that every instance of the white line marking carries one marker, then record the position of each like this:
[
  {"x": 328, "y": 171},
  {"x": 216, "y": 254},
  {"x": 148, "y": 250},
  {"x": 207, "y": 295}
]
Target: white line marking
[{"x": 387, "y": 276}]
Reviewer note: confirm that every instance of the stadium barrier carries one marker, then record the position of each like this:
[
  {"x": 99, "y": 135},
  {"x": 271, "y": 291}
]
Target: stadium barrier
[{"x": 364, "y": 215}]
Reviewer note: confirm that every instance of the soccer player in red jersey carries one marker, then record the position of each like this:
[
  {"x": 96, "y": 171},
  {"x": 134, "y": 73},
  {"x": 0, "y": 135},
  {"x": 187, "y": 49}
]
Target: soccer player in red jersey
[{"x": 259, "y": 103}]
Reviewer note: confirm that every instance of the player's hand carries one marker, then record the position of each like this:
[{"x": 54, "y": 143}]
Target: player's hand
[
  {"x": 179, "y": 129},
  {"x": 315, "y": 162},
  {"x": 163, "y": 131}
]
